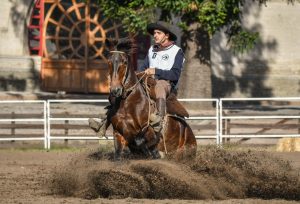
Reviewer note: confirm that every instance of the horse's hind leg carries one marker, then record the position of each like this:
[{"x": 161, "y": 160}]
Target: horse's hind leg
[{"x": 190, "y": 144}]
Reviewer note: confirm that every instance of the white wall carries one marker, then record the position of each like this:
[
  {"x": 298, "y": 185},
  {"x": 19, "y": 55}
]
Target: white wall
[
  {"x": 13, "y": 36},
  {"x": 273, "y": 67}
]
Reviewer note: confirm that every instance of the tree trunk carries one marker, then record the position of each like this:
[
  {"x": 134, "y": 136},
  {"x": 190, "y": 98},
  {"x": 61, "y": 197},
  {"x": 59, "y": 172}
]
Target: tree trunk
[{"x": 195, "y": 81}]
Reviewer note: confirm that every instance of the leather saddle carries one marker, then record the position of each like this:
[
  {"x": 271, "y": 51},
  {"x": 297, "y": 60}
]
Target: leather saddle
[{"x": 174, "y": 107}]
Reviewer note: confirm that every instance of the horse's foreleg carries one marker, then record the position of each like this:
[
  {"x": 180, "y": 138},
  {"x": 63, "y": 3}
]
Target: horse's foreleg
[
  {"x": 152, "y": 140},
  {"x": 119, "y": 143}
]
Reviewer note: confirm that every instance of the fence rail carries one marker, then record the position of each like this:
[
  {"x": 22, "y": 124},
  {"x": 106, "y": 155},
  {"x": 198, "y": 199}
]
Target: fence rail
[
  {"x": 227, "y": 118},
  {"x": 14, "y": 117},
  {"x": 52, "y": 118}
]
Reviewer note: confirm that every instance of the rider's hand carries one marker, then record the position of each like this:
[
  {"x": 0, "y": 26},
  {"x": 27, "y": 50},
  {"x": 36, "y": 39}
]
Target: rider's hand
[{"x": 150, "y": 71}]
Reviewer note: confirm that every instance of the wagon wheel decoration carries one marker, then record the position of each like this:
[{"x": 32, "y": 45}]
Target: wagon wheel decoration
[{"x": 75, "y": 30}]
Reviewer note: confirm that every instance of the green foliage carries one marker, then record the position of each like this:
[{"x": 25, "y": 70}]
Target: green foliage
[
  {"x": 213, "y": 15},
  {"x": 243, "y": 41}
]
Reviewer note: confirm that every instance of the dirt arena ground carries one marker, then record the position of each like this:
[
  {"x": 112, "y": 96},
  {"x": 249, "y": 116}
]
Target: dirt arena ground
[{"x": 89, "y": 176}]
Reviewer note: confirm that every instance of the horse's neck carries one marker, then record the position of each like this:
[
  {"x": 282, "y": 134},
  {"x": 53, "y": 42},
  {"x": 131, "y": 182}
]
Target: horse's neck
[
  {"x": 138, "y": 91},
  {"x": 131, "y": 78},
  {"x": 135, "y": 98}
]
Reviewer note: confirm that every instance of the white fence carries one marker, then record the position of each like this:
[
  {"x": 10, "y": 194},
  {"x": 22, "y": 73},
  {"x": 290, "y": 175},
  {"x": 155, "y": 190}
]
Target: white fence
[
  {"x": 248, "y": 116},
  {"x": 51, "y": 118},
  {"x": 220, "y": 118},
  {"x": 28, "y": 115},
  {"x": 212, "y": 117}
]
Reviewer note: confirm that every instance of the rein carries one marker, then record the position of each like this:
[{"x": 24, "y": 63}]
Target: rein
[{"x": 127, "y": 92}]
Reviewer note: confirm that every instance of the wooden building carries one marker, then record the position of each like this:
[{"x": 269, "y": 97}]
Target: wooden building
[{"x": 65, "y": 40}]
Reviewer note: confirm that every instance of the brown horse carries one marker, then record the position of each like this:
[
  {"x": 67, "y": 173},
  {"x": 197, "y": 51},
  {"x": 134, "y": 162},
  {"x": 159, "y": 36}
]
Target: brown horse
[{"x": 132, "y": 107}]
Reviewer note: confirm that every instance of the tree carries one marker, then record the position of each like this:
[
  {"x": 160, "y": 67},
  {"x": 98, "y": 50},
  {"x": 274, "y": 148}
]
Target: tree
[{"x": 199, "y": 20}]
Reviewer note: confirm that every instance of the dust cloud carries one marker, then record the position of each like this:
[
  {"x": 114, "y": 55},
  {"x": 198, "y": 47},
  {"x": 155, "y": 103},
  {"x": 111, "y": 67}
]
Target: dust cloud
[{"x": 213, "y": 174}]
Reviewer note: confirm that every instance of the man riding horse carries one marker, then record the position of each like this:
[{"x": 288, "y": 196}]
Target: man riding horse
[{"x": 164, "y": 62}]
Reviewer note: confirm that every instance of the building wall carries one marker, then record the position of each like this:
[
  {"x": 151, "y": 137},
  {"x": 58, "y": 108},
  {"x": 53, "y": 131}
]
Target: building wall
[
  {"x": 13, "y": 35},
  {"x": 19, "y": 71},
  {"x": 272, "y": 68}
]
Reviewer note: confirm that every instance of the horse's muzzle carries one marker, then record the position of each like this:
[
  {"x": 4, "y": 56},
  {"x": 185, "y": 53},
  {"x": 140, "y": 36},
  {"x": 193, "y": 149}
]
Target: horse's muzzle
[{"x": 117, "y": 91}]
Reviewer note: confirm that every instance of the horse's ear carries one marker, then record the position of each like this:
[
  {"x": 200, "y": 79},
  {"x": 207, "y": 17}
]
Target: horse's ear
[
  {"x": 127, "y": 45},
  {"x": 110, "y": 43}
]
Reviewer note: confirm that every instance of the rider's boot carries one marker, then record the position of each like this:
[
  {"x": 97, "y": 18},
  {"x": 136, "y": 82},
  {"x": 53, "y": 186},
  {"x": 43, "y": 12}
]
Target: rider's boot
[
  {"x": 159, "y": 120},
  {"x": 98, "y": 125},
  {"x": 156, "y": 121}
]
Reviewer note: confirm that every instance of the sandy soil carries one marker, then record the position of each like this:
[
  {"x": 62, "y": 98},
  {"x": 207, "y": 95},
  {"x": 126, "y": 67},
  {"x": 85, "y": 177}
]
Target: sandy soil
[{"x": 25, "y": 177}]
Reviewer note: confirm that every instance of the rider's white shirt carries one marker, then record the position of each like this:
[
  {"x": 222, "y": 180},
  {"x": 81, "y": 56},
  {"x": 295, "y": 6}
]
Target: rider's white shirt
[{"x": 163, "y": 59}]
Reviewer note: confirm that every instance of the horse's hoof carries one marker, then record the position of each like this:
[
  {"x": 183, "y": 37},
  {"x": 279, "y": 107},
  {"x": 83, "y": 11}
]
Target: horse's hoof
[
  {"x": 155, "y": 154},
  {"x": 117, "y": 158},
  {"x": 162, "y": 154},
  {"x": 139, "y": 141}
]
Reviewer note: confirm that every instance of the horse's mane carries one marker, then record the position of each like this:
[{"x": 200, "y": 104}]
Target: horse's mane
[{"x": 127, "y": 45}]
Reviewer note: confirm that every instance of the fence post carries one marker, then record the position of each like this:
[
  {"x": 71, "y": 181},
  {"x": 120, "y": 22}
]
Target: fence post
[
  {"x": 13, "y": 128},
  {"x": 299, "y": 126},
  {"x": 66, "y": 131},
  {"x": 227, "y": 129}
]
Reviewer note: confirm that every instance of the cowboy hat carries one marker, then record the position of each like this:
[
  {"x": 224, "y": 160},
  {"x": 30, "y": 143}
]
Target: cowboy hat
[{"x": 162, "y": 26}]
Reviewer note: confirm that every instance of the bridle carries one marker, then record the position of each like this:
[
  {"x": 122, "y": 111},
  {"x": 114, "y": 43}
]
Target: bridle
[
  {"x": 124, "y": 83},
  {"x": 126, "y": 68},
  {"x": 127, "y": 91}
]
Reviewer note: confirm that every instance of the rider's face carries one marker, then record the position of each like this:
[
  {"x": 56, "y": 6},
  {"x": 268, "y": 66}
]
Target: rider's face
[{"x": 160, "y": 37}]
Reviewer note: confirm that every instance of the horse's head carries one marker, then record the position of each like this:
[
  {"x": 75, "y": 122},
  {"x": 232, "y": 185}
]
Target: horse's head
[{"x": 118, "y": 64}]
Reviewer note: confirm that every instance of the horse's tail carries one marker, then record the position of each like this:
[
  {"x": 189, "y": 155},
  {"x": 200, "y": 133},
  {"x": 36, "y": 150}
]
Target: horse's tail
[{"x": 179, "y": 118}]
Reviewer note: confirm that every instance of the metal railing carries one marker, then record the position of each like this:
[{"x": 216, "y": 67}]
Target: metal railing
[
  {"x": 51, "y": 119},
  {"x": 244, "y": 116},
  {"x": 215, "y": 117},
  {"x": 221, "y": 114}
]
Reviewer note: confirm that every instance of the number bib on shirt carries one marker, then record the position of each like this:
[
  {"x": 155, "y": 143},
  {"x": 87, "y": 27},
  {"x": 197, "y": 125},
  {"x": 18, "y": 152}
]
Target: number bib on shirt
[{"x": 163, "y": 59}]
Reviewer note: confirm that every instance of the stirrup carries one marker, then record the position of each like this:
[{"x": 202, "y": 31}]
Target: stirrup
[
  {"x": 157, "y": 128},
  {"x": 157, "y": 123},
  {"x": 102, "y": 131},
  {"x": 155, "y": 119}
]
